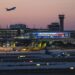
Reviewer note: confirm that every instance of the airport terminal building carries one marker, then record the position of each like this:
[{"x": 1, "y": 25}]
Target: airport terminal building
[{"x": 54, "y": 32}]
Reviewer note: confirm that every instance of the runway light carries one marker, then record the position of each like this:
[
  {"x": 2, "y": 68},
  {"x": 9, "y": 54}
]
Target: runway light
[
  {"x": 47, "y": 63},
  {"x": 71, "y": 68},
  {"x": 31, "y": 61},
  {"x": 37, "y": 64},
  {"x": 22, "y": 56},
  {"x": 68, "y": 54}
]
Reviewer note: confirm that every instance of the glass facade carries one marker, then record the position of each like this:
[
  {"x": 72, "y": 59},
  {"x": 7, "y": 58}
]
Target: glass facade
[{"x": 8, "y": 33}]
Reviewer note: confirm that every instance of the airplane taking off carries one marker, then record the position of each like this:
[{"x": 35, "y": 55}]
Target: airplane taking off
[{"x": 10, "y": 9}]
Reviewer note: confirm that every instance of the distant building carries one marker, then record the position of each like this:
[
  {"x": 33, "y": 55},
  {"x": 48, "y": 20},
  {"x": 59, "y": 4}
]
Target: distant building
[
  {"x": 8, "y": 33},
  {"x": 61, "y": 18},
  {"x": 18, "y": 26},
  {"x": 72, "y": 33},
  {"x": 54, "y": 27}
]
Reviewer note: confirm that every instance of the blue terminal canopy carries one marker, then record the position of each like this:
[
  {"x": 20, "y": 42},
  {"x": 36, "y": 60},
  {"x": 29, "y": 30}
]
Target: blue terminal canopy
[{"x": 51, "y": 35}]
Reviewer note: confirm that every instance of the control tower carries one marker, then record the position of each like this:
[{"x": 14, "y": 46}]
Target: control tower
[{"x": 61, "y": 18}]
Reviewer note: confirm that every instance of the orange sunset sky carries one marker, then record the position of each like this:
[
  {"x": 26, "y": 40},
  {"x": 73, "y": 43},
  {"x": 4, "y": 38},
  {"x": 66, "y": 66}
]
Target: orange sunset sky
[{"x": 37, "y": 13}]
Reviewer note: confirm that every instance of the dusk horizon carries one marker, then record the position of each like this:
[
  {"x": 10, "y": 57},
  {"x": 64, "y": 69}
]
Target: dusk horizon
[{"x": 38, "y": 14}]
